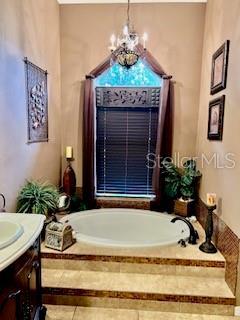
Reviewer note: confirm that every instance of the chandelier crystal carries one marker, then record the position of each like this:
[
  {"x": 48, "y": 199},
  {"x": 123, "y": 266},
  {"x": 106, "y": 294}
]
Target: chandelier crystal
[{"x": 124, "y": 47}]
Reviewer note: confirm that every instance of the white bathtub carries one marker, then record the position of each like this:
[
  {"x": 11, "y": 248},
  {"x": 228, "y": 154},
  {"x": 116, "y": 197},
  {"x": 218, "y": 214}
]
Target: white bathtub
[{"x": 126, "y": 228}]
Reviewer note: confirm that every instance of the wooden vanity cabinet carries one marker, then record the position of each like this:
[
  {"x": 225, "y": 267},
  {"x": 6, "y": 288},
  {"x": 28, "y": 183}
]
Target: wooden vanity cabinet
[{"x": 20, "y": 288}]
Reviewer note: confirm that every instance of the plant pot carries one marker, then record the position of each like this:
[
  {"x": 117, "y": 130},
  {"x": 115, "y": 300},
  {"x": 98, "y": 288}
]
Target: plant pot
[{"x": 184, "y": 208}]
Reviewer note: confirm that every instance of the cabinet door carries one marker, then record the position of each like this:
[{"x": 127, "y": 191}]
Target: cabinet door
[
  {"x": 10, "y": 305},
  {"x": 33, "y": 288},
  {"x": 20, "y": 288},
  {"x": 28, "y": 279}
]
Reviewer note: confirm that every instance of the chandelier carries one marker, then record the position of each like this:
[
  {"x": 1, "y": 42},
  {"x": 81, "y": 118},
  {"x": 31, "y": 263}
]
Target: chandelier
[{"x": 124, "y": 47}]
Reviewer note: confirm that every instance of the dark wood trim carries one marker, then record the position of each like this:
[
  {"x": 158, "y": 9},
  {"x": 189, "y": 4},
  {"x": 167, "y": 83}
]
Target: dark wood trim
[{"x": 89, "y": 76}]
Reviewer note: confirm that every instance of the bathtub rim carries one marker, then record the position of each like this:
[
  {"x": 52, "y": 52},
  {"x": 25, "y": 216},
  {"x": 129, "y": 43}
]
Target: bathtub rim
[{"x": 97, "y": 241}]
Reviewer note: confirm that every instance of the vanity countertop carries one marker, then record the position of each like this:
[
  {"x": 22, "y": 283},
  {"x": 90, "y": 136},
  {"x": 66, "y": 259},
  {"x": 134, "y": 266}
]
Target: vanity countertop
[{"x": 32, "y": 225}]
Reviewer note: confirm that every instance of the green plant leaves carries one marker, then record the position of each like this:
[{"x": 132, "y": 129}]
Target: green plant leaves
[
  {"x": 171, "y": 189},
  {"x": 186, "y": 179},
  {"x": 37, "y": 197},
  {"x": 180, "y": 182}
]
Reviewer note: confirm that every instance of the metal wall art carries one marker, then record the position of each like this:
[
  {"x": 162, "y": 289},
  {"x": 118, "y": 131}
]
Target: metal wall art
[
  {"x": 37, "y": 102},
  {"x": 127, "y": 97}
]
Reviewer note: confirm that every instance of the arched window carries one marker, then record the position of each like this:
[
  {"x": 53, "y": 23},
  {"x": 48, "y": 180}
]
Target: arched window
[
  {"x": 134, "y": 107},
  {"x": 139, "y": 75},
  {"x": 127, "y": 109}
]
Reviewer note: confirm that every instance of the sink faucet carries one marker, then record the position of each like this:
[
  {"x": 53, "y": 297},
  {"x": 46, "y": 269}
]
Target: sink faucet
[
  {"x": 193, "y": 233},
  {"x": 2, "y": 209}
]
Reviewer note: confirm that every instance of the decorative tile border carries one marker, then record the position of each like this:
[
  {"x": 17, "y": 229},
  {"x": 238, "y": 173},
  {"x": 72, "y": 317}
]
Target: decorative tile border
[
  {"x": 138, "y": 296},
  {"x": 123, "y": 203},
  {"x": 126, "y": 259},
  {"x": 237, "y": 294},
  {"x": 226, "y": 241}
]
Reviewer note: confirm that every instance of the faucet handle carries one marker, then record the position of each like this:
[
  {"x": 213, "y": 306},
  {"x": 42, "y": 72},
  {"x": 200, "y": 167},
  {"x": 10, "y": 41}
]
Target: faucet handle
[
  {"x": 196, "y": 234},
  {"x": 2, "y": 209},
  {"x": 192, "y": 239},
  {"x": 182, "y": 243}
]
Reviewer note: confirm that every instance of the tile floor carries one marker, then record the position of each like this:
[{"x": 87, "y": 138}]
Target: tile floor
[{"x": 81, "y": 313}]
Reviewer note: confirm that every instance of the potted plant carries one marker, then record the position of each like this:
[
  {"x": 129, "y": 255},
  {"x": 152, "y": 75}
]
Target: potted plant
[
  {"x": 40, "y": 198},
  {"x": 180, "y": 185}
]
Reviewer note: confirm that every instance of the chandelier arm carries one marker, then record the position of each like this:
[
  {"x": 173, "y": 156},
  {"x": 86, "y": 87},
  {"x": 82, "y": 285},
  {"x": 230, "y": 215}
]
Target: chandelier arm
[
  {"x": 128, "y": 14},
  {"x": 127, "y": 51}
]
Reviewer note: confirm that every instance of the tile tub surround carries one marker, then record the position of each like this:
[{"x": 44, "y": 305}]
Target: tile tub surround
[
  {"x": 167, "y": 255},
  {"x": 160, "y": 278},
  {"x": 81, "y": 313},
  {"x": 226, "y": 241},
  {"x": 169, "y": 279},
  {"x": 126, "y": 267},
  {"x": 134, "y": 203},
  {"x": 130, "y": 285},
  {"x": 138, "y": 291}
]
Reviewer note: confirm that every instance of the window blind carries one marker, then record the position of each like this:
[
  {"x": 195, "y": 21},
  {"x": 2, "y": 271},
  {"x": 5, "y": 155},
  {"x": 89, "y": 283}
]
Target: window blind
[{"x": 126, "y": 135}]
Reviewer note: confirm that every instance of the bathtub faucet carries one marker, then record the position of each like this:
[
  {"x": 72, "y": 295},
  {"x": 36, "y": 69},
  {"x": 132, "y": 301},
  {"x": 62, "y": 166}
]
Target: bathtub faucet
[{"x": 193, "y": 233}]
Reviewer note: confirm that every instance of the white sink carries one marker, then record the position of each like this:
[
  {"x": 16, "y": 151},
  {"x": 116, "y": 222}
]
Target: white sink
[{"x": 9, "y": 232}]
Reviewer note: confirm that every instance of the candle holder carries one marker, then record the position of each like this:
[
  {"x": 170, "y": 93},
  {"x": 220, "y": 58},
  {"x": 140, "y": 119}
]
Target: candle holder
[
  {"x": 208, "y": 246},
  {"x": 69, "y": 179}
]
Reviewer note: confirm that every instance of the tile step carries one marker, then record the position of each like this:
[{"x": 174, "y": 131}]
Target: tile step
[
  {"x": 192, "y": 257},
  {"x": 137, "y": 286},
  {"x": 79, "y": 313},
  {"x": 143, "y": 267}
]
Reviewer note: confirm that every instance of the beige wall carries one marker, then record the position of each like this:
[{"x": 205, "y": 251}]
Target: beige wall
[
  {"x": 222, "y": 23},
  {"x": 27, "y": 28},
  {"x": 31, "y": 28},
  {"x": 175, "y": 39}
]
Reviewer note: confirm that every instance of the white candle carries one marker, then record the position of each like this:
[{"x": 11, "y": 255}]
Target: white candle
[
  {"x": 69, "y": 152},
  {"x": 125, "y": 30},
  {"x": 211, "y": 199},
  {"x": 145, "y": 38},
  {"x": 113, "y": 39}
]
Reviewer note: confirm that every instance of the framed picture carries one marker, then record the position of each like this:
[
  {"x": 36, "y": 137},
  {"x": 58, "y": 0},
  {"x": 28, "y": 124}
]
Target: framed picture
[
  {"x": 215, "y": 118},
  {"x": 219, "y": 68},
  {"x": 37, "y": 102}
]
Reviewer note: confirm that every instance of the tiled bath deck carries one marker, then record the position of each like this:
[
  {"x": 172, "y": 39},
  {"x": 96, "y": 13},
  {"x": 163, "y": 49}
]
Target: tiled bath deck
[
  {"x": 80, "y": 313},
  {"x": 163, "y": 279},
  {"x": 190, "y": 256}
]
